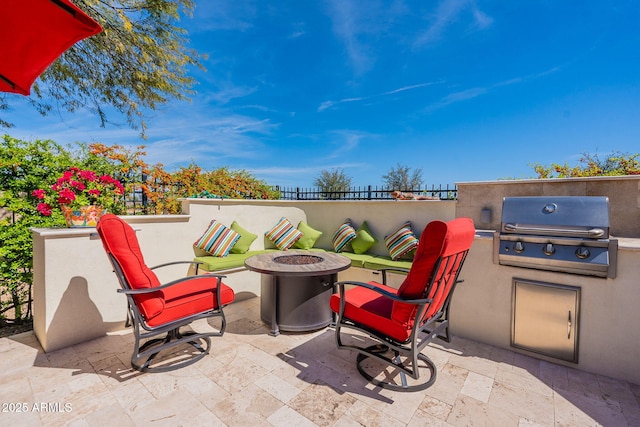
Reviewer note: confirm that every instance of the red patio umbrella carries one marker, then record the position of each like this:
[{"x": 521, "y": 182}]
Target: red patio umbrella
[{"x": 33, "y": 34}]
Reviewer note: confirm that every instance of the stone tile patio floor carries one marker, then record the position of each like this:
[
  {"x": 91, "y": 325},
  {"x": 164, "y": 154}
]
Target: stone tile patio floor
[{"x": 296, "y": 379}]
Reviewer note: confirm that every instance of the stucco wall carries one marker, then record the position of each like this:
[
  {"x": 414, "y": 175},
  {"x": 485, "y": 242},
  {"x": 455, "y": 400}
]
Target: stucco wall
[
  {"x": 74, "y": 288},
  {"x": 608, "y": 341}
]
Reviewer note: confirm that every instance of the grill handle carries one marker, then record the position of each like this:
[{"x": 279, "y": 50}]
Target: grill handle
[{"x": 592, "y": 233}]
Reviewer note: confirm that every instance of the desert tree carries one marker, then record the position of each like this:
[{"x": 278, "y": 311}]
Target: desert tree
[
  {"x": 139, "y": 62},
  {"x": 333, "y": 183},
  {"x": 403, "y": 178}
]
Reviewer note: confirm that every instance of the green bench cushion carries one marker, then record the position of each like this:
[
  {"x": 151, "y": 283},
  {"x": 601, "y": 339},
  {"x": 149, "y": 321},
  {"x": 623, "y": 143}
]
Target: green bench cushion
[
  {"x": 371, "y": 262},
  {"x": 378, "y": 262},
  {"x": 212, "y": 263},
  {"x": 357, "y": 260}
]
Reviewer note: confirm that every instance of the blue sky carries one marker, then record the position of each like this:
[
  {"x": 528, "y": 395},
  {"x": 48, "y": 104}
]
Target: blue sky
[{"x": 464, "y": 90}]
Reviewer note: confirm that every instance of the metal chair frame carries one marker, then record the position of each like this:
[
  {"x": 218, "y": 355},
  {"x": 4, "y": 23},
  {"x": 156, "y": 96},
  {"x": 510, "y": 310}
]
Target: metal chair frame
[
  {"x": 422, "y": 333},
  {"x": 143, "y": 355}
]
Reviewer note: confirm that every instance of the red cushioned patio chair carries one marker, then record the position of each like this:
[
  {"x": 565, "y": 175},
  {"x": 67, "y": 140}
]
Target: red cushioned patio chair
[
  {"x": 162, "y": 309},
  {"x": 401, "y": 322}
]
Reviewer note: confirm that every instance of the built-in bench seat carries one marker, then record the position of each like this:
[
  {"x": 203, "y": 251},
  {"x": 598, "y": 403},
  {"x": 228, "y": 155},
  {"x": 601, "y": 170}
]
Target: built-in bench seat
[
  {"x": 255, "y": 240},
  {"x": 233, "y": 261},
  {"x": 229, "y": 262}
]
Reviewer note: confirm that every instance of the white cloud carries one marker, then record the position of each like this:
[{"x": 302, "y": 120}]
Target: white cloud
[
  {"x": 226, "y": 91},
  {"x": 330, "y": 104},
  {"x": 358, "y": 26},
  {"x": 447, "y": 13},
  {"x": 225, "y": 15},
  {"x": 467, "y": 94},
  {"x": 346, "y": 25},
  {"x": 346, "y": 141}
]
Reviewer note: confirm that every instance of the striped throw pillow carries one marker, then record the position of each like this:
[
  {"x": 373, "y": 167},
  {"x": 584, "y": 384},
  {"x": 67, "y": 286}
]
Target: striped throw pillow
[
  {"x": 401, "y": 241},
  {"x": 343, "y": 235},
  {"x": 283, "y": 234},
  {"x": 217, "y": 240}
]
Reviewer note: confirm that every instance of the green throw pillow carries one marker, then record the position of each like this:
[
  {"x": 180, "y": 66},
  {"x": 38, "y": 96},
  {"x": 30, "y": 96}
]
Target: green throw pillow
[
  {"x": 364, "y": 239},
  {"x": 309, "y": 236},
  {"x": 245, "y": 241}
]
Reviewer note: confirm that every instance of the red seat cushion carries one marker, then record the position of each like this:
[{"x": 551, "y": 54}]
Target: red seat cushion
[
  {"x": 372, "y": 310},
  {"x": 190, "y": 297}
]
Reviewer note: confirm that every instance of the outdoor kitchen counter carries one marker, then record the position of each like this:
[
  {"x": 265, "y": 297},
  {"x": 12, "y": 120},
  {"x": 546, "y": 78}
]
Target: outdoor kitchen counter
[
  {"x": 630, "y": 243},
  {"x": 481, "y": 307}
]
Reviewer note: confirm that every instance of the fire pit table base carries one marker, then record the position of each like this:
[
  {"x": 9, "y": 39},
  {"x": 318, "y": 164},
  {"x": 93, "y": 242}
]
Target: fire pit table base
[
  {"x": 302, "y": 302},
  {"x": 296, "y": 288}
]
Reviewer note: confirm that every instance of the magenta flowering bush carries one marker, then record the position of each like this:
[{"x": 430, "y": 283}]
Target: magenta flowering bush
[{"x": 77, "y": 188}]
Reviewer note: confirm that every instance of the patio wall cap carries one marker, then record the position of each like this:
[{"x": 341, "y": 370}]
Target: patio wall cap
[
  {"x": 517, "y": 181},
  {"x": 91, "y": 231},
  {"x": 279, "y": 201}
]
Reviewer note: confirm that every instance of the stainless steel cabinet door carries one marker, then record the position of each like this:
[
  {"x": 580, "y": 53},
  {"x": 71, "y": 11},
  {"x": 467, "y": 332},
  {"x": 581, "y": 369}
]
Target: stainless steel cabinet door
[{"x": 545, "y": 319}]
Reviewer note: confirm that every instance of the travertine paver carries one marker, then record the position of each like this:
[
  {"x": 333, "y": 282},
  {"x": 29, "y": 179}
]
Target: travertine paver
[{"x": 251, "y": 378}]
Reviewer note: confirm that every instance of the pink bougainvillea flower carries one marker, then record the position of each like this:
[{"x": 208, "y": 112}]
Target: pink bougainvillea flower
[
  {"x": 67, "y": 193},
  {"x": 39, "y": 194},
  {"x": 44, "y": 209},
  {"x": 77, "y": 187},
  {"x": 88, "y": 175},
  {"x": 66, "y": 176}
]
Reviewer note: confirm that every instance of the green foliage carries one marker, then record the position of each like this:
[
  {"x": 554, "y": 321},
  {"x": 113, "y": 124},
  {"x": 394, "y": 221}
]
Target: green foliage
[
  {"x": 27, "y": 166},
  {"x": 615, "y": 164},
  {"x": 139, "y": 61},
  {"x": 24, "y": 167},
  {"x": 401, "y": 178},
  {"x": 332, "y": 183}
]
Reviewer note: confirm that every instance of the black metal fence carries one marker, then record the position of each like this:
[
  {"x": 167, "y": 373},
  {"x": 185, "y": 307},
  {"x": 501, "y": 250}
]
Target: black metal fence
[
  {"x": 367, "y": 193},
  {"x": 136, "y": 201}
]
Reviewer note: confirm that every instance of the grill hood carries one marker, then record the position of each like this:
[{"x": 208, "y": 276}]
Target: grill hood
[{"x": 567, "y": 216}]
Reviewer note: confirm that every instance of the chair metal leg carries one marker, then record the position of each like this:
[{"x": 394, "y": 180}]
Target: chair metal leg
[
  {"x": 393, "y": 371},
  {"x": 143, "y": 356}
]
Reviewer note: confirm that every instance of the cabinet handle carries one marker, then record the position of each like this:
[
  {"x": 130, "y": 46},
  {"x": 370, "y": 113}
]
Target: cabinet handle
[{"x": 569, "y": 326}]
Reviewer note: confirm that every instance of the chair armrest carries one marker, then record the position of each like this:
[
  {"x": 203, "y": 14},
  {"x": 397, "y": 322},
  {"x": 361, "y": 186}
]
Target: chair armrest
[
  {"x": 383, "y": 292},
  {"x": 398, "y": 269},
  {"x": 169, "y": 284},
  {"x": 174, "y": 263},
  {"x": 197, "y": 263}
]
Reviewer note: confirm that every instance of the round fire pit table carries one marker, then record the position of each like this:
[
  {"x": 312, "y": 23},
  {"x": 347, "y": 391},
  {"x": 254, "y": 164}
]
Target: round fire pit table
[{"x": 296, "y": 296}]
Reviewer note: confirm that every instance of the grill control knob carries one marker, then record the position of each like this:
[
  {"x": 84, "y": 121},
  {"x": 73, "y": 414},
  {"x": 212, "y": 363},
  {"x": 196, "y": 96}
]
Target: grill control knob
[
  {"x": 548, "y": 249},
  {"x": 583, "y": 252},
  {"x": 518, "y": 247}
]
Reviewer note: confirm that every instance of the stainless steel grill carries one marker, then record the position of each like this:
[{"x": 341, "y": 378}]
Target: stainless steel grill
[{"x": 566, "y": 233}]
